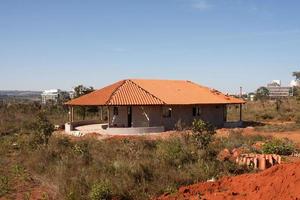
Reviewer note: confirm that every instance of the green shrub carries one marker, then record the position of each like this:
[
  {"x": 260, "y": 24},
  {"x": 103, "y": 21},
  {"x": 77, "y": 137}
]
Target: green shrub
[
  {"x": 202, "y": 133},
  {"x": 101, "y": 191},
  {"x": 43, "y": 128},
  {"x": 18, "y": 170},
  {"x": 174, "y": 153},
  {"x": 4, "y": 187},
  {"x": 280, "y": 147},
  {"x": 82, "y": 149}
]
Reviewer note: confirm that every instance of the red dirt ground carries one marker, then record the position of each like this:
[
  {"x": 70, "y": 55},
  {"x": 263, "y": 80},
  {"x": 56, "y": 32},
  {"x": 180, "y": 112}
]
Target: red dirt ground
[{"x": 279, "y": 182}]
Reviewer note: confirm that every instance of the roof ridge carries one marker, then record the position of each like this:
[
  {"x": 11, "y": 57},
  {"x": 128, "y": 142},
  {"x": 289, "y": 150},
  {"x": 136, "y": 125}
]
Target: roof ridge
[
  {"x": 146, "y": 91},
  {"x": 114, "y": 92},
  {"x": 198, "y": 85}
]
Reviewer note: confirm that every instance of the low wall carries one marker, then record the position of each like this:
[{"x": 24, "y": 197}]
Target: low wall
[
  {"x": 70, "y": 126},
  {"x": 134, "y": 130},
  {"x": 103, "y": 129}
]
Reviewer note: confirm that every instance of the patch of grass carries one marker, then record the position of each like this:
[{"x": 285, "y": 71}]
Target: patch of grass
[
  {"x": 101, "y": 191},
  {"x": 278, "y": 128},
  {"x": 279, "y": 146},
  {"x": 134, "y": 168},
  {"x": 19, "y": 172},
  {"x": 236, "y": 140},
  {"x": 4, "y": 186}
]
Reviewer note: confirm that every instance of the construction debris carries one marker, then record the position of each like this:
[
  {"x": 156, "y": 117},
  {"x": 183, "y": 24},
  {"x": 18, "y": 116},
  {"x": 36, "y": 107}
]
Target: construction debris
[{"x": 258, "y": 161}]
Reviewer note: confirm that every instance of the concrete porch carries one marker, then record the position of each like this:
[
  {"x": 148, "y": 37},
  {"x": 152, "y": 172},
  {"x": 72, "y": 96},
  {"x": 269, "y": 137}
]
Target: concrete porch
[{"x": 81, "y": 128}]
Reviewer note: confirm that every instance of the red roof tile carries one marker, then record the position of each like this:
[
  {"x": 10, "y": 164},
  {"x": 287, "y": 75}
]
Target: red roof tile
[
  {"x": 98, "y": 97},
  {"x": 154, "y": 92},
  {"x": 131, "y": 94}
]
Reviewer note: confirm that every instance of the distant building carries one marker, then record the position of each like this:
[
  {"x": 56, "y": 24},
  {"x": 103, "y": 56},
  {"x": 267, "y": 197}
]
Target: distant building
[
  {"x": 55, "y": 96},
  {"x": 295, "y": 83},
  {"x": 251, "y": 97},
  {"x": 71, "y": 94},
  {"x": 274, "y": 83},
  {"x": 277, "y": 91}
]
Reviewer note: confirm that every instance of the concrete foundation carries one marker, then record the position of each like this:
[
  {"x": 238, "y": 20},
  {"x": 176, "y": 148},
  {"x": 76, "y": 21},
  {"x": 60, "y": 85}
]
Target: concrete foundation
[
  {"x": 134, "y": 130},
  {"x": 84, "y": 127}
]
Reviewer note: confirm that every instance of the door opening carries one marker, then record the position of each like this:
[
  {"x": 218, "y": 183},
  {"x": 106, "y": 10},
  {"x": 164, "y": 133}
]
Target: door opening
[{"x": 129, "y": 112}]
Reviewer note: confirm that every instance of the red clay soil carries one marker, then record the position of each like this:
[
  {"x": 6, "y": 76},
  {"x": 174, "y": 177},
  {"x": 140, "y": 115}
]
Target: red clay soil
[{"x": 279, "y": 182}]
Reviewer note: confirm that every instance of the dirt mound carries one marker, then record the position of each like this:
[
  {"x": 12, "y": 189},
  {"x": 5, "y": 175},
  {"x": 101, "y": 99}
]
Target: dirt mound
[{"x": 278, "y": 182}]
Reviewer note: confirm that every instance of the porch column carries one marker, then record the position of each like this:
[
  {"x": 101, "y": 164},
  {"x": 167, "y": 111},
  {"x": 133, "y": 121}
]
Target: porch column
[
  {"x": 69, "y": 114},
  {"x": 241, "y": 112},
  {"x": 72, "y": 114},
  {"x": 101, "y": 113},
  {"x": 161, "y": 116},
  {"x": 108, "y": 117},
  {"x": 225, "y": 113}
]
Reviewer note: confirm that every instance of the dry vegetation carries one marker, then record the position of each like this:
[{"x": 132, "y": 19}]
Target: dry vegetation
[
  {"x": 127, "y": 168},
  {"x": 276, "y": 115}
]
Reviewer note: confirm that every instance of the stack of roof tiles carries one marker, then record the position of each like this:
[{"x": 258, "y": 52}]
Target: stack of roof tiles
[{"x": 153, "y": 92}]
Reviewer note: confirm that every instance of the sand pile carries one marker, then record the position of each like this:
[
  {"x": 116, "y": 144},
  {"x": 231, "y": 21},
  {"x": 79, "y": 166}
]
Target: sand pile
[{"x": 279, "y": 182}]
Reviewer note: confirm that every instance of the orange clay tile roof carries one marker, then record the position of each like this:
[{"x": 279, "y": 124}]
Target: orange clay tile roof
[{"x": 154, "y": 92}]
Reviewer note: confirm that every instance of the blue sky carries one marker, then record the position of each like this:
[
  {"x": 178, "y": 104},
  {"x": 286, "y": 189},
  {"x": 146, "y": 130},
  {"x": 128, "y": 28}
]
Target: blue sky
[{"x": 223, "y": 44}]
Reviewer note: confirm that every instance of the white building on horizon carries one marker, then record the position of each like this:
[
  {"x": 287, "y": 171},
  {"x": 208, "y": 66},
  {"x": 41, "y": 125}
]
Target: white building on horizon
[
  {"x": 276, "y": 90},
  {"x": 54, "y": 95}
]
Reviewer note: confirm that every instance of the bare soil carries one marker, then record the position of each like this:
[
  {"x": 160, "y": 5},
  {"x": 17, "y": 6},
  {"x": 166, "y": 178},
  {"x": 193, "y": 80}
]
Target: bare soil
[{"x": 278, "y": 182}]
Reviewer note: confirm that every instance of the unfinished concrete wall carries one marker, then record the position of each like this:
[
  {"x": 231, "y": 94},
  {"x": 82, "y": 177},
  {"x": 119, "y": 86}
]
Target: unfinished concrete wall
[
  {"x": 140, "y": 116},
  {"x": 214, "y": 114},
  {"x": 210, "y": 113},
  {"x": 184, "y": 114},
  {"x": 145, "y": 116},
  {"x": 120, "y": 120}
]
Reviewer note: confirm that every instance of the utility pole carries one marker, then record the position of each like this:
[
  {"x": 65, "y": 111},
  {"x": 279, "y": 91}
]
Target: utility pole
[{"x": 241, "y": 91}]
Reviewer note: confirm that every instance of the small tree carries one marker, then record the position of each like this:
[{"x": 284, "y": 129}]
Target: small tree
[
  {"x": 296, "y": 89},
  {"x": 202, "y": 133},
  {"x": 297, "y": 75},
  {"x": 279, "y": 146},
  {"x": 262, "y": 93},
  {"x": 81, "y": 90},
  {"x": 43, "y": 128}
]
